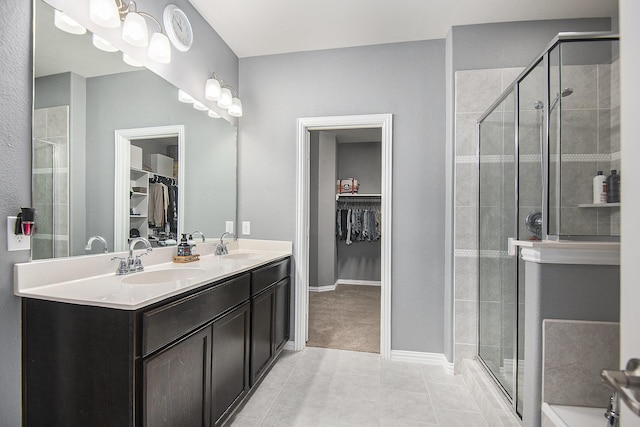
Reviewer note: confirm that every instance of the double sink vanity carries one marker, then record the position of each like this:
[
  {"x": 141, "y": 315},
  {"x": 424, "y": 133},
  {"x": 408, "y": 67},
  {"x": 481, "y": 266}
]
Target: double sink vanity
[{"x": 176, "y": 344}]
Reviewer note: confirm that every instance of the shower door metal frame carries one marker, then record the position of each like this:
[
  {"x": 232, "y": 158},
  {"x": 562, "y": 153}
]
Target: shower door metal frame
[{"x": 545, "y": 160}]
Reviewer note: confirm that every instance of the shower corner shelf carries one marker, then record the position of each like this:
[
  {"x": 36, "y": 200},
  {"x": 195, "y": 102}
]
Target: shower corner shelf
[
  {"x": 358, "y": 195},
  {"x": 599, "y": 205}
]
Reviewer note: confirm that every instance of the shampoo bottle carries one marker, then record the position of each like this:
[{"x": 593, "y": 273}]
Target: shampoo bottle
[
  {"x": 599, "y": 189},
  {"x": 613, "y": 187}
]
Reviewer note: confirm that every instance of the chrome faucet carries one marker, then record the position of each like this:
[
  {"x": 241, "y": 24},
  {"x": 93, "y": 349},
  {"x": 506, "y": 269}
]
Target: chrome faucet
[
  {"x": 197, "y": 232},
  {"x": 132, "y": 264},
  {"x": 221, "y": 248},
  {"x": 98, "y": 238},
  {"x": 136, "y": 264}
]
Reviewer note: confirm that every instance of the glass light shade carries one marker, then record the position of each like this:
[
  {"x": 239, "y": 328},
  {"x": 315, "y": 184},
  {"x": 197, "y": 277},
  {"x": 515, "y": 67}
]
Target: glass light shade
[
  {"x": 226, "y": 99},
  {"x": 200, "y": 106},
  {"x": 130, "y": 61},
  {"x": 212, "y": 90},
  {"x": 213, "y": 114},
  {"x": 134, "y": 30},
  {"x": 104, "y": 13},
  {"x": 235, "y": 110},
  {"x": 185, "y": 97},
  {"x": 102, "y": 44},
  {"x": 67, "y": 24},
  {"x": 159, "y": 48}
]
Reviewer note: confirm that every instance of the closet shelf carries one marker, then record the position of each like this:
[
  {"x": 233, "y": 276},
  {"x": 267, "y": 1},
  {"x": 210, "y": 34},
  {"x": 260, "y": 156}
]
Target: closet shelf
[{"x": 358, "y": 196}]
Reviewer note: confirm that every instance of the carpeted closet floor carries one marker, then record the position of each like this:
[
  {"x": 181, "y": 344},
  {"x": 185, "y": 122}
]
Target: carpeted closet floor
[{"x": 346, "y": 319}]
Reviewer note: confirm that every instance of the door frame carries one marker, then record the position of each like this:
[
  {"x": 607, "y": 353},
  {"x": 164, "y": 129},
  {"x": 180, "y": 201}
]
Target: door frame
[
  {"x": 301, "y": 244},
  {"x": 122, "y": 185}
]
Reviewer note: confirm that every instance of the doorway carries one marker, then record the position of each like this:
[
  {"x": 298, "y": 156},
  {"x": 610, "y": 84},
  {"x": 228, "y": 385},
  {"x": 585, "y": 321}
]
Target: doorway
[
  {"x": 344, "y": 239},
  {"x": 382, "y": 122}
]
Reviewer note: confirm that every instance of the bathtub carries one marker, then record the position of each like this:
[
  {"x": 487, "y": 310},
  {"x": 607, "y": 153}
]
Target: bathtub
[{"x": 573, "y": 416}]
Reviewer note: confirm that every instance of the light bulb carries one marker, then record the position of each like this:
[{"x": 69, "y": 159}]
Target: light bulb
[
  {"x": 235, "y": 110},
  {"x": 200, "y": 106},
  {"x": 213, "y": 114},
  {"x": 226, "y": 99},
  {"x": 185, "y": 97},
  {"x": 134, "y": 30},
  {"x": 102, "y": 44},
  {"x": 104, "y": 13},
  {"x": 159, "y": 48},
  {"x": 130, "y": 61},
  {"x": 212, "y": 89},
  {"x": 67, "y": 24}
]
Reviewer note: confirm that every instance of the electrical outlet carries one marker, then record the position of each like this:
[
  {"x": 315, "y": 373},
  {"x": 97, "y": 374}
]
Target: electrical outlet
[
  {"x": 228, "y": 227},
  {"x": 246, "y": 228},
  {"x": 16, "y": 242}
]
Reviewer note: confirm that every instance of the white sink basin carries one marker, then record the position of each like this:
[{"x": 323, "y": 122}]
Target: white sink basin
[
  {"x": 162, "y": 276},
  {"x": 244, "y": 256}
]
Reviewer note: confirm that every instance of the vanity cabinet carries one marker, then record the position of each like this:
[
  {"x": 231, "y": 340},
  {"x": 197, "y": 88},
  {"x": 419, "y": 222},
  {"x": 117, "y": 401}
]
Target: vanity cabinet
[
  {"x": 270, "y": 315},
  {"x": 185, "y": 361}
]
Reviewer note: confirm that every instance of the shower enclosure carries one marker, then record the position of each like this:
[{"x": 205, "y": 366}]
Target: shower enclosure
[{"x": 540, "y": 145}]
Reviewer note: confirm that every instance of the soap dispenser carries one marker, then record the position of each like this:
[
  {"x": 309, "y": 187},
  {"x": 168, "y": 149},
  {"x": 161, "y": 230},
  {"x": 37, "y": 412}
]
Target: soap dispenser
[{"x": 184, "y": 248}]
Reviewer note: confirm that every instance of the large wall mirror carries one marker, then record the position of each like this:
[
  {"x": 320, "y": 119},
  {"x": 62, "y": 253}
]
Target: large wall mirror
[{"x": 85, "y": 100}]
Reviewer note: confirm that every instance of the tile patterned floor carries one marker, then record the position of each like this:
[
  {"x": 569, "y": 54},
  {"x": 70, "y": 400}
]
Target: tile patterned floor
[{"x": 326, "y": 387}]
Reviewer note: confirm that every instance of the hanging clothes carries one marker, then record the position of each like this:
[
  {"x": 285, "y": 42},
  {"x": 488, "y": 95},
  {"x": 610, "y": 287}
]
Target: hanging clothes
[
  {"x": 156, "y": 205},
  {"x": 358, "y": 223}
]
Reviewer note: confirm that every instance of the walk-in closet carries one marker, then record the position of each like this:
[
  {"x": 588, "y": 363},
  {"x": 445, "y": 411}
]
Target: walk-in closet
[{"x": 344, "y": 240}]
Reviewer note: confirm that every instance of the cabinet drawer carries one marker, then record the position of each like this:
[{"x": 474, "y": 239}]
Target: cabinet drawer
[
  {"x": 264, "y": 277},
  {"x": 169, "y": 322}
]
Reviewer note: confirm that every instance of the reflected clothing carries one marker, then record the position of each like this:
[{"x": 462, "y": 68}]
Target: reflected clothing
[{"x": 156, "y": 205}]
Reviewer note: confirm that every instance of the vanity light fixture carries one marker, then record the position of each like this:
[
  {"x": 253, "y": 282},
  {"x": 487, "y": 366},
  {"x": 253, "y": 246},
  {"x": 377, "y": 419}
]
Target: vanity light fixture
[
  {"x": 102, "y": 44},
  {"x": 213, "y": 88},
  {"x": 235, "y": 110},
  {"x": 104, "y": 13},
  {"x": 226, "y": 98},
  {"x": 185, "y": 97},
  {"x": 67, "y": 24},
  {"x": 130, "y": 61},
  {"x": 200, "y": 106},
  {"x": 111, "y": 13}
]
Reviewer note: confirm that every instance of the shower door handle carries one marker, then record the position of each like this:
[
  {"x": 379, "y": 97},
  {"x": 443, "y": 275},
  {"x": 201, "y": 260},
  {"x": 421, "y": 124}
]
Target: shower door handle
[{"x": 512, "y": 246}]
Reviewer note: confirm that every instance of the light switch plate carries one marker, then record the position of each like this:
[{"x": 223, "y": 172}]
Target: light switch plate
[
  {"x": 16, "y": 242},
  {"x": 228, "y": 227},
  {"x": 246, "y": 228}
]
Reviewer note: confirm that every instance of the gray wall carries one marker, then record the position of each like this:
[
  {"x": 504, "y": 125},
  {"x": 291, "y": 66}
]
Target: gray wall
[
  {"x": 407, "y": 80},
  {"x": 360, "y": 260},
  {"x": 15, "y": 188}
]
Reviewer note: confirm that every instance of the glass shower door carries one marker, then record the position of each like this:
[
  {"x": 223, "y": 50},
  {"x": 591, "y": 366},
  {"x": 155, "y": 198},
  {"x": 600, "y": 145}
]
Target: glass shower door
[{"x": 497, "y": 271}]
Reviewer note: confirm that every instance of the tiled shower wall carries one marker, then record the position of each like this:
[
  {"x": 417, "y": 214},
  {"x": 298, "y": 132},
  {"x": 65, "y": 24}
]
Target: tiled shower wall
[
  {"x": 591, "y": 142},
  {"x": 51, "y": 182}
]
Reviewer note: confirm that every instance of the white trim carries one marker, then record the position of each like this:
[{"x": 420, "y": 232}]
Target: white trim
[
  {"x": 423, "y": 358},
  {"x": 123, "y": 138},
  {"x": 327, "y": 288},
  {"x": 358, "y": 282},
  {"x": 301, "y": 303},
  {"x": 571, "y": 256}
]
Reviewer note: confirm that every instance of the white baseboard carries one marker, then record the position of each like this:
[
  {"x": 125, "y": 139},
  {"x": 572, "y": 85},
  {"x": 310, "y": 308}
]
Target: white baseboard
[
  {"x": 326, "y": 288},
  {"x": 437, "y": 359},
  {"x": 358, "y": 282},
  {"x": 289, "y": 345}
]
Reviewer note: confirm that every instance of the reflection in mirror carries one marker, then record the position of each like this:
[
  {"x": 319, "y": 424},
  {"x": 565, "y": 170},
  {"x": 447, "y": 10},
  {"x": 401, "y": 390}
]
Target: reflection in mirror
[{"x": 82, "y": 97}]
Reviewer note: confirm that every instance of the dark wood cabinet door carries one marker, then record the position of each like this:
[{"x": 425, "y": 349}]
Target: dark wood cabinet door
[
  {"x": 176, "y": 383},
  {"x": 282, "y": 313},
  {"x": 262, "y": 332},
  {"x": 230, "y": 361}
]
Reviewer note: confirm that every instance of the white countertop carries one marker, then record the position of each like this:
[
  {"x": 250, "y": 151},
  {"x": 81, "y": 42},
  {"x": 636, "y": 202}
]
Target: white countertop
[
  {"x": 568, "y": 252},
  {"x": 91, "y": 280}
]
